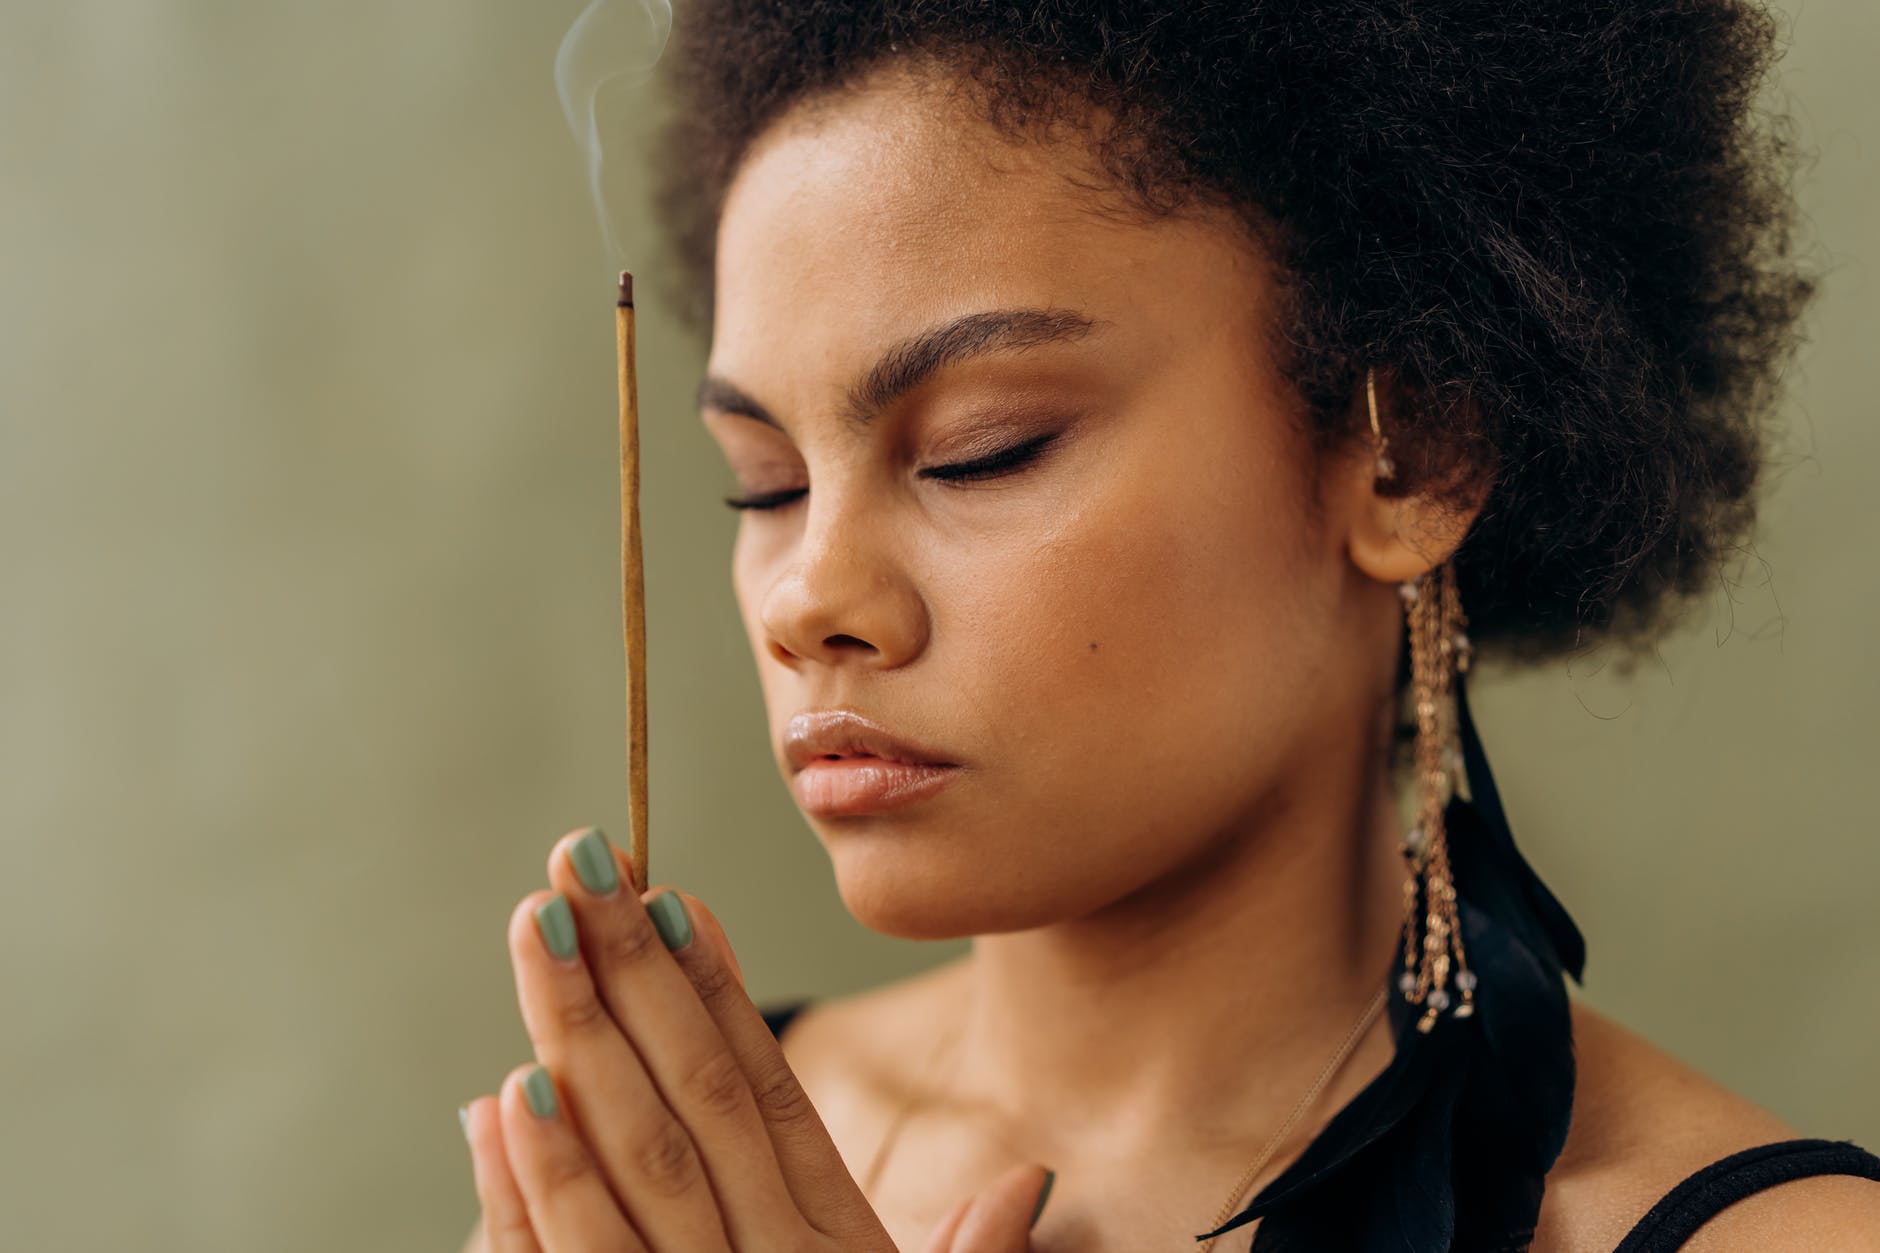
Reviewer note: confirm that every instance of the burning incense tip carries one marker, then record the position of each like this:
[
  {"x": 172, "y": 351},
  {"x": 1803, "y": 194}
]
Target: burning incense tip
[{"x": 626, "y": 290}]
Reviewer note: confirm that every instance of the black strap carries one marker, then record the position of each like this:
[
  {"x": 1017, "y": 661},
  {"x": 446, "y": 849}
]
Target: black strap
[{"x": 1681, "y": 1211}]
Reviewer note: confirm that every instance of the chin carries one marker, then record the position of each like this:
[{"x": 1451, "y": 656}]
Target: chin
[{"x": 927, "y": 891}]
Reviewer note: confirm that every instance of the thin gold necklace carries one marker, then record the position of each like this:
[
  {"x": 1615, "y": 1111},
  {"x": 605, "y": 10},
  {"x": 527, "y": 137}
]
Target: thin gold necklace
[{"x": 872, "y": 1175}]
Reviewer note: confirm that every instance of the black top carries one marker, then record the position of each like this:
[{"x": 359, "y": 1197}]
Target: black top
[
  {"x": 1681, "y": 1211},
  {"x": 1447, "y": 1149}
]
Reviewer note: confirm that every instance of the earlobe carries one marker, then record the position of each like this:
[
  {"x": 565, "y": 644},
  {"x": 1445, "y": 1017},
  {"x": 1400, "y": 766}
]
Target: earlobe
[
  {"x": 1376, "y": 540},
  {"x": 1394, "y": 538}
]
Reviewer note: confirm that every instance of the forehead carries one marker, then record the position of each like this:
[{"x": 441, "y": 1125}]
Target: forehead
[{"x": 864, "y": 216}]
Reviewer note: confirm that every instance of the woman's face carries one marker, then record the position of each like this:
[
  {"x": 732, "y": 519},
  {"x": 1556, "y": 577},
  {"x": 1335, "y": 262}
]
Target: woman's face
[{"x": 1133, "y": 643}]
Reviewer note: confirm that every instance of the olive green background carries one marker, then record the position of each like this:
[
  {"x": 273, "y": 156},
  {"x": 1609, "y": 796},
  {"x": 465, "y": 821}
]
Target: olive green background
[{"x": 309, "y": 633}]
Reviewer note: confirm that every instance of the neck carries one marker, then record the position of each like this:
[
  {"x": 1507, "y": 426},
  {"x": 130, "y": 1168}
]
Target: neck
[{"x": 1213, "y": 998}]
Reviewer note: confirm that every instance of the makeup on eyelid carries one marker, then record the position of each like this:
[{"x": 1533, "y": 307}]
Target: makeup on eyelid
[
  {"x": 989, "y": 449},
  {"x": 1007, "y": 461}
]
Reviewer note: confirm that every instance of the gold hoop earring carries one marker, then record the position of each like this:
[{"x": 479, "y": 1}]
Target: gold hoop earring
[
  {"x": 1385, "y": 468},
  {"x": 1439, "y": 650}
]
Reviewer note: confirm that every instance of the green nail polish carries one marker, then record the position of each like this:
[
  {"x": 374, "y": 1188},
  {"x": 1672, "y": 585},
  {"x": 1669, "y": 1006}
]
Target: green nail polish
[
  {"x": 669, "y": 919},
  {"x": 593, "y": 860},
  {"x": 1044, "y": 1194},
  {"x": 540, "y": 1090},
  {"x": 463, "y": 1120},
  {"x": 556, "y": 922}
]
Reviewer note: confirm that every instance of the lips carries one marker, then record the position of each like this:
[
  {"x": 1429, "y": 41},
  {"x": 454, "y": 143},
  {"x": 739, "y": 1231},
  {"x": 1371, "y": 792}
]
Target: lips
[
  {"x": 820, "y": 734},
  {"x": 844, "y": 764}
]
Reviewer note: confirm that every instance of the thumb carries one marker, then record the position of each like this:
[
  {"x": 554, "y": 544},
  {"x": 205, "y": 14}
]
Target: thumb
[{"x": 998, "y": 1219}]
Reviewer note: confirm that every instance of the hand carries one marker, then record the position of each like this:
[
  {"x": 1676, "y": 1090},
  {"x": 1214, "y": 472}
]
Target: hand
[{"x": 663, "y": 1117}]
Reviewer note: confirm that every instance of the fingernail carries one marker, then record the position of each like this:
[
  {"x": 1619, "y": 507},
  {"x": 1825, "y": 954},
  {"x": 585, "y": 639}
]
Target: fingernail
[
  {"x": 540, "y": 1091},
  {"x": 555, "y": 921},
  {"x": 593, "y": 860},
  {"x": 463, "y": 1120},
  {"x": 670, "y": 920},
  {"x": 1044, "y": 1194}
]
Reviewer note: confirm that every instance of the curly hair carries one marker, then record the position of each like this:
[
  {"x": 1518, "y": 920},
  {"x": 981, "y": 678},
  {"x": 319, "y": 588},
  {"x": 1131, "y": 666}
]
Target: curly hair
[{"x": 1564, "y": 227}]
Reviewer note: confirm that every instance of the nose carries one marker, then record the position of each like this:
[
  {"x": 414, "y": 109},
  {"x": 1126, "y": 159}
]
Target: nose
[{"x": 844, "y": 598}]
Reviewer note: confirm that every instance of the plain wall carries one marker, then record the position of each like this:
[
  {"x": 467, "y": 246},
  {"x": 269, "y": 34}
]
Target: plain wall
[{"x": 310, "y": 647}]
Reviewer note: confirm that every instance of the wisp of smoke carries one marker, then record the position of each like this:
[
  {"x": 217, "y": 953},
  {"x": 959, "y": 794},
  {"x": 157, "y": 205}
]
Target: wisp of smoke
[{"x": 611, "y": 39}]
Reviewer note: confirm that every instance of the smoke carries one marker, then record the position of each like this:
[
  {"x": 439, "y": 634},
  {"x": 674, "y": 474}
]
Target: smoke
[{"x": 612, "y": 39}]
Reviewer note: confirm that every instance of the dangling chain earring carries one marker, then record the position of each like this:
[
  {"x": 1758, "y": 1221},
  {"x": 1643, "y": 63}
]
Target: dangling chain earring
[{"x": 1439, "y": 649}]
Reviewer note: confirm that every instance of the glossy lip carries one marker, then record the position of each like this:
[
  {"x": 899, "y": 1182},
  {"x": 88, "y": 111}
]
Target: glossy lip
[
  {"x": 844, "y": 764},
  {"x": 815, "y": 734},
  {"x": 853, "y": 786}
]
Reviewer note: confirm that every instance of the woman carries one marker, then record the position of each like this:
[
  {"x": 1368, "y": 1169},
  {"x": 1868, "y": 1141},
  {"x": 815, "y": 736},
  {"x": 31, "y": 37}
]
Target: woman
[{"x": 1143, "y": 414}]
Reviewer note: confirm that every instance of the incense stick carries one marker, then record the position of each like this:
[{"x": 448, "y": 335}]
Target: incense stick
[{"x": 632, "y": 582}]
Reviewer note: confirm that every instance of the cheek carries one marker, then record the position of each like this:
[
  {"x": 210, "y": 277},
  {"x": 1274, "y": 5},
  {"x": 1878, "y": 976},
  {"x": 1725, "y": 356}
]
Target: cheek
[
  {"x": 1181, "y": 576},
  {"x": 749, "y": 578},
  {"x": 1144, "y": 663}
]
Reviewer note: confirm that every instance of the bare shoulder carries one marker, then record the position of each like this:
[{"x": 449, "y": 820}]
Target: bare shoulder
[
  {"x": 860, "y": 1057},
  {"x": 1643, "y": 1120}
]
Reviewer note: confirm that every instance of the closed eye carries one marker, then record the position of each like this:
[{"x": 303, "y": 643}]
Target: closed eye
[
  {"x": 998, "y": 463},
  {"x": 1005, "y": 462}
]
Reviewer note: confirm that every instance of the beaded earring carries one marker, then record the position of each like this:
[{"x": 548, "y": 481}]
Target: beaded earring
[{"x": 1439, "y": 650}]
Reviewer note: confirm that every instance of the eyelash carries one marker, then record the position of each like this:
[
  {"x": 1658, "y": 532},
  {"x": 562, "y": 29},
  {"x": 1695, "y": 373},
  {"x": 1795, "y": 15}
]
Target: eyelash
[{"x": 998, "y": 464}]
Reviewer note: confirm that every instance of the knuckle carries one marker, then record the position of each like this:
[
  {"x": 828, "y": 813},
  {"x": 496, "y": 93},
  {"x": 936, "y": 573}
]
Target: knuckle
[
  {"x": 560, "y": 1172},
  {"x": 714, "y": 983},
  {"x": 665, "y": 1159},
  {"x": 717, "y": 1084},
  {"x": 632, "y": 944},
  {"x": 581, "y": 1015},
  {"x": 781, "y": 1099}
]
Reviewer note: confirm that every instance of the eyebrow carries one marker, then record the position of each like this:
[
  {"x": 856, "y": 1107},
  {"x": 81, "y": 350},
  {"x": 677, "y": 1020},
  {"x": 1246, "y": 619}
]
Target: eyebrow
[{"x": 909, "y": 363}]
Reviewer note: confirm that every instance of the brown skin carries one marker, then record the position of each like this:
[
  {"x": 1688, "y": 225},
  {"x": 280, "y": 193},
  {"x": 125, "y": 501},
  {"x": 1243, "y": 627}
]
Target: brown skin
[
  {"x": 1165, "y": 673},
  {"x": 1166, "y": 682}
]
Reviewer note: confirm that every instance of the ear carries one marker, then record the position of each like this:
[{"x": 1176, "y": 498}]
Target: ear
[{"x": 1394, "y": 537}]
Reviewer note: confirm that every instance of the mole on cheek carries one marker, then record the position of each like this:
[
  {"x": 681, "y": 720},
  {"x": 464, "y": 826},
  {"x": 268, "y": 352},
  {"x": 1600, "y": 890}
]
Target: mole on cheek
[{"x": 1093, "y": 646}]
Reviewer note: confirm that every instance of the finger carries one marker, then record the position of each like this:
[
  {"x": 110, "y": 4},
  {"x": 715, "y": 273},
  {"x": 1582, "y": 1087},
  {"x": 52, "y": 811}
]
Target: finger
[
  {"x": 677, "y": 1041},
  {"x": 599, "y": 868},
  {"x": 506, "y": 1226},
  {"x": 711, "y": 932},
  {"x": 825, "y": 1192},
  {"x": 570, "y": 1207},
  {"x": 645, "y": 1155},
  {"x": 1000, "y": 1219},
  {"x": 940, "y": 1240}
]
